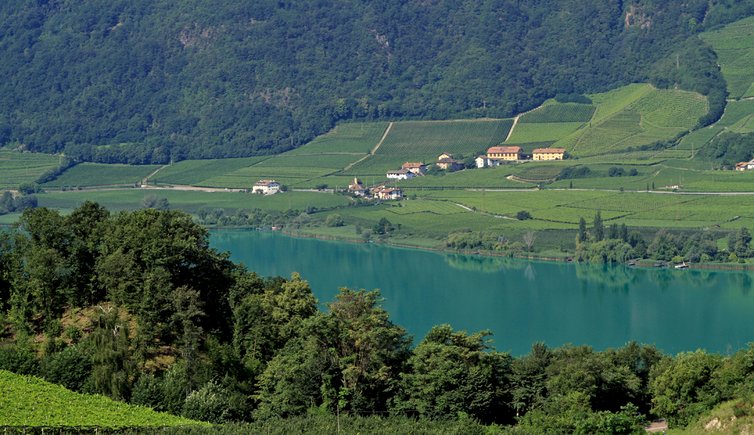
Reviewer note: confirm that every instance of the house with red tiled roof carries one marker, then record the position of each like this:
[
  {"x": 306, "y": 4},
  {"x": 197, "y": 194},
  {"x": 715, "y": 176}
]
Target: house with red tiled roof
[
  {"x": 416, "y": 168},
  {"x": 498, "y": 154},
  {"x": 357, "y": 188},
  {"x": 386, "y": 193}
]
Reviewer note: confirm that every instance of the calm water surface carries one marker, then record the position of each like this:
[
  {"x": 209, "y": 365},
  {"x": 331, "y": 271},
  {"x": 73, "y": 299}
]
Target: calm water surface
[{"x": 521, "y": 302}]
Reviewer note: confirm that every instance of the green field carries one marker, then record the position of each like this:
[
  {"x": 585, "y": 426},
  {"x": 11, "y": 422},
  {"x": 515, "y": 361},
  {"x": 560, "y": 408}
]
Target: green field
[
  {"x": 734, "y": 45},
  {"x": 26, "y": 401},
  {"x": 542, "y": 132},
  {"x": 96, "y": 174},
  {"x": 192, "y": 201},
  {"x": 633, "y": 116},
  {"x": 559, "y": 112},
  {"x": 354, "y": 138},
  {"x": 17, "y": 168},
  {"x": 425, "y": 140},
  {"x": 471, "y": 178},
  {"x": 196, "y": 171}
]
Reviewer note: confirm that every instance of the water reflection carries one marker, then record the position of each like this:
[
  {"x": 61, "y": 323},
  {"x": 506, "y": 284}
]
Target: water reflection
[{"x": 522, "y": 302}]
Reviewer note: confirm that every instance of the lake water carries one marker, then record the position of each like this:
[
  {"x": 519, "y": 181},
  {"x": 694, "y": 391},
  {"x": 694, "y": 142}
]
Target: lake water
[{"x": 521, "y": 302}]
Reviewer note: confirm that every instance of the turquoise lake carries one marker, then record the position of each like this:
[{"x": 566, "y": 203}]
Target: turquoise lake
[{"x": 520, "y": 301}]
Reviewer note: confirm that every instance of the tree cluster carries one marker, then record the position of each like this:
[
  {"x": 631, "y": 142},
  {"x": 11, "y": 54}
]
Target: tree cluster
[
  {"x": 616, "y": 244},
  {"x": 10, "y": 203}
]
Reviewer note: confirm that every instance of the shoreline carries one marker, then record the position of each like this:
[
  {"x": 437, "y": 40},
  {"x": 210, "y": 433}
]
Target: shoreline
[{"x": 641, "y": 264}]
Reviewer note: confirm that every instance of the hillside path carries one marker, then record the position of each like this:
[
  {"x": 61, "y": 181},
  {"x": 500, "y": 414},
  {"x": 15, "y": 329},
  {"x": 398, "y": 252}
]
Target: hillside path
[
  {"x": 373, "y": 151},
  {"x": 513, "y": 127},
  {"x": 146, "y": 179}
]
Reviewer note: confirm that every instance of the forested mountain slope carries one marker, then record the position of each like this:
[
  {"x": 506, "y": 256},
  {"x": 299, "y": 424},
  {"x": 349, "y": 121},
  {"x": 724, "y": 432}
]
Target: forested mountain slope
[{"x": 145, "y": 81}]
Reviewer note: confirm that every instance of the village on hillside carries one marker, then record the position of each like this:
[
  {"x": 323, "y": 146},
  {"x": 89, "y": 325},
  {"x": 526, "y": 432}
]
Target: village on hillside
[{"x": 495, "y": 156}]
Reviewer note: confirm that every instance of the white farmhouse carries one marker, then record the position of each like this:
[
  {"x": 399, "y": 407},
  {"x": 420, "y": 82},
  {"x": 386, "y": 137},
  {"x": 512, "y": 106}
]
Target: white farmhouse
[
  {"x": 400, "y": 174},
  {"x": 266, "y": 187}
]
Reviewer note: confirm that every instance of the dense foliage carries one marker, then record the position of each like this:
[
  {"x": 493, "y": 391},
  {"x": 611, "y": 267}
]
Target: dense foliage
[
  {"x": 730, "y": 148},
  {"x": 153, "y": 81},
  {"x": 137, "y": 307}
]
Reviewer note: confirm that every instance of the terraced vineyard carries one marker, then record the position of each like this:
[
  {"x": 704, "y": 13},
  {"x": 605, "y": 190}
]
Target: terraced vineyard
[
  {"x": 95, "y": 174},
  {"x": 551, "y": 112},
  {"x": 734, "y": 45},
  {"x": 542, "y": 132},
  {"x": 196, "y": 171},
  {"x": 17, "y": 168},
  {"x": 738, "y": 116},
  {"x": 353, "y": 138},
  {"x": 634, "y": 116},
  {"x": 29, "y": 402}
]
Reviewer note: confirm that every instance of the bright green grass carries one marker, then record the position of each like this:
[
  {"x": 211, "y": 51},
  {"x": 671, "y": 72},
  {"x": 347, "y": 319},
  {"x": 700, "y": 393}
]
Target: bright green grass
[
  {"x": 542, "y": 132},
  {"x": 738, "y": 117},
  {"x": 564, "y": 208},
  {"x": 31, "y": 402},
  {"x": 559, "y": 112},
  {"x": 331, "y": 161},
  {"x": 196, "y": 171},
  {"x": 538, "y": 171},
  {"x": 735, "y": 111},
  {"x": 734, "y": 45},
  {"x": 246, "y": 177},
  {"x": 633, "y": 116},
  {"x": 374, "y": 166},
  {"x": 487, "y": 178},
  {"x": 192, "y": 201},
  {"x": 333, "y": 181},
  {"x": 17, "y": 168},
  {"x": 665, "y": 108},
  {"x": 698, "y": 138},
  {"x": 425, "y": 140},
  {"x": 616, "y": 100},
  {"x": 97, "y": 174},
  {"x": 356, "y": 138}
]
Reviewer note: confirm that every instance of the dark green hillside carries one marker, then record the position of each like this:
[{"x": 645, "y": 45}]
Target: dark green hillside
[{"x": 145, "y": 81}]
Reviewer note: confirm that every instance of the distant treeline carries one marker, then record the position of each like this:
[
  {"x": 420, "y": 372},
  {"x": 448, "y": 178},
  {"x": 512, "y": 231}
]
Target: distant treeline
[
  {"x": 145, "y": 81},
  {"x": 138, "y": 307}
]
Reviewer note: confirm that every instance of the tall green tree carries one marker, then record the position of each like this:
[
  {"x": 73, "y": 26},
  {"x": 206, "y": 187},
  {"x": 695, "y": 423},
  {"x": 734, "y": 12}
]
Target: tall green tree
[
  {"x": 598, "y": 228},
  {"x": 452, "y": 373}
]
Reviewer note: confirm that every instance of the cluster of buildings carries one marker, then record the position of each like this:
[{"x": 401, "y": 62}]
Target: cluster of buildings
[
  {"x": 495, "y": 156},
  {"x": 745, "y": 166},
  {"x": 503, "y": 154},
  {"x": 408, "y": 170},
  {"x": 379, "y": 192}
]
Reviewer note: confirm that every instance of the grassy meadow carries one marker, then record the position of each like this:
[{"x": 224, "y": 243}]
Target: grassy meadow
[
  {"x": 192, "y": 201},
  {"x": 96, "y": 174},
  {"x": 17, "y": 168},
  {"x": 26, "y": 401}
]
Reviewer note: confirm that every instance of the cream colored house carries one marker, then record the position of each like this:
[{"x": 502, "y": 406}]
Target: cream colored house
[
  {"x": 548, "y": 154},
  {"x": 498, "y": 154}
]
